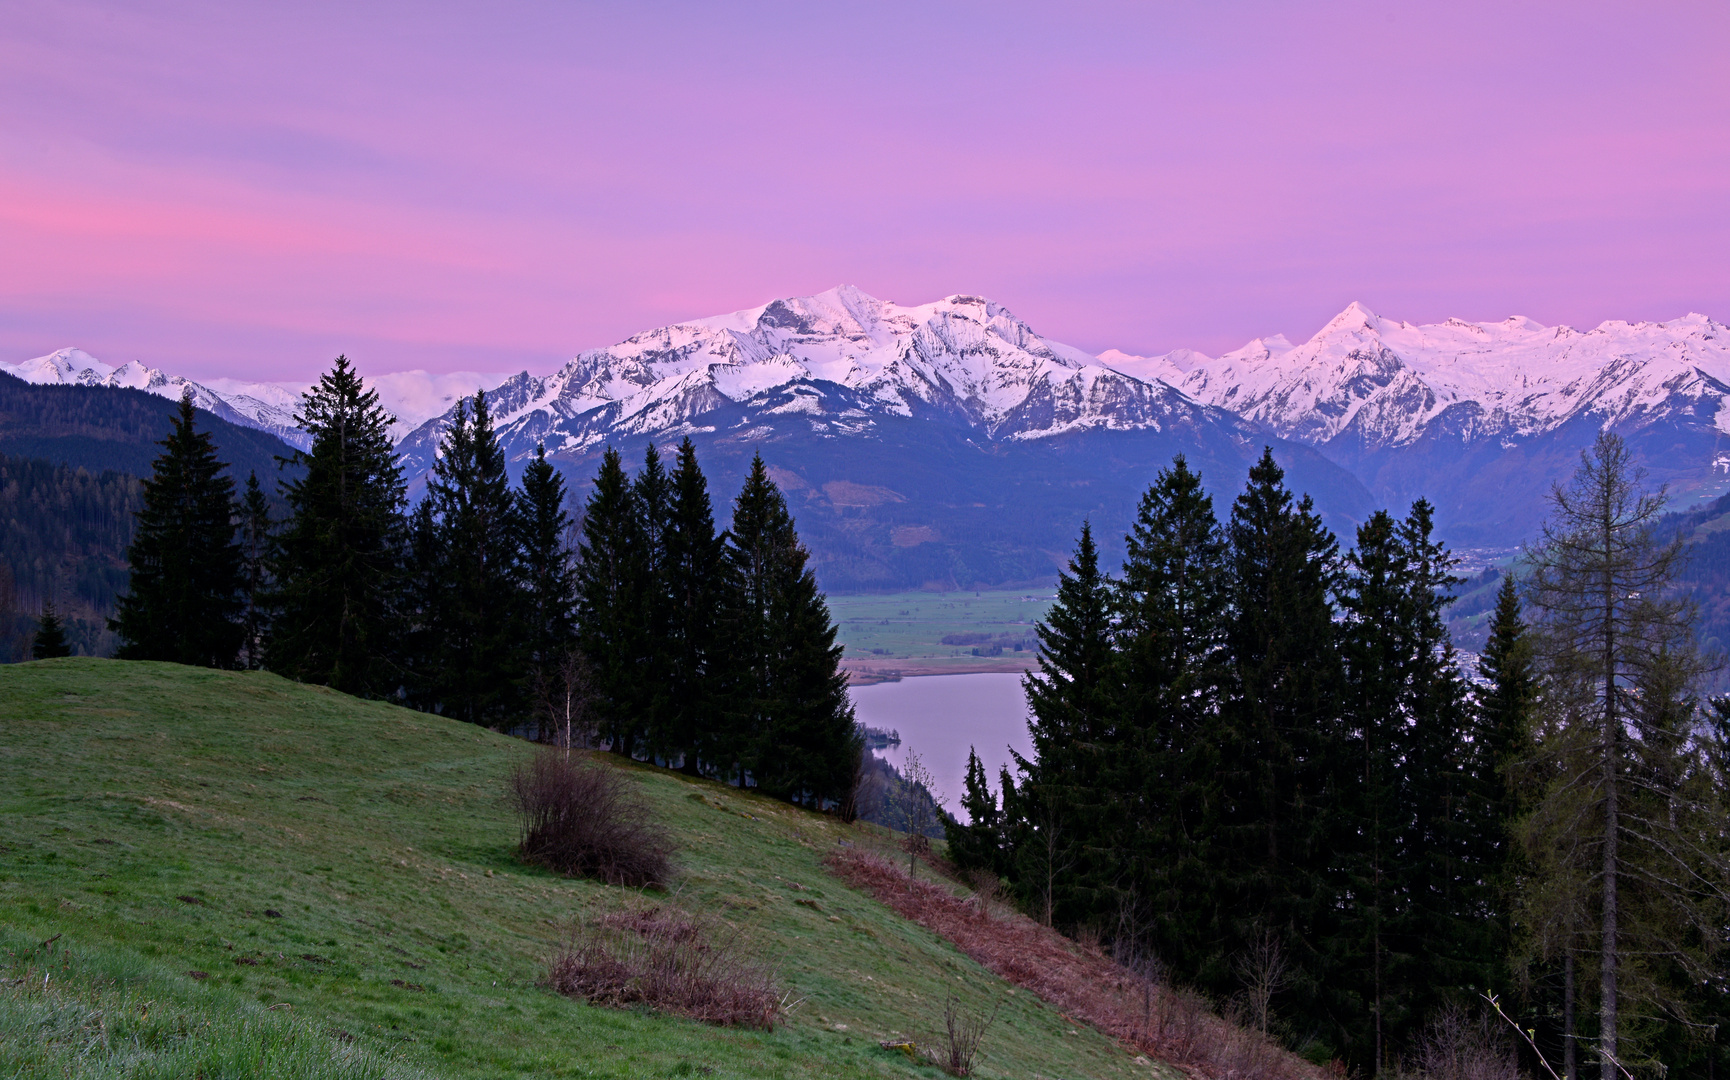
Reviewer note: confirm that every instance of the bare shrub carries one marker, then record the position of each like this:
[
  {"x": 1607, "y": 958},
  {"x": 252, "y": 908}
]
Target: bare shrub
[
  {"x": 583, "y": 819},
  {"x": 668, "y": 960},
  {"x": 1458, "y": 1045},
  {"x": 955, "y": 1047}
]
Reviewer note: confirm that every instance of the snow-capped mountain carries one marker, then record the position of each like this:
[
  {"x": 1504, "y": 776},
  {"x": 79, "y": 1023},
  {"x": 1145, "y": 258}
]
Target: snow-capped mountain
[
  {"x": 264, "y": 406},
  {"x": 1480, "y": 417},
  {"x": 835, "y": 364},
  {"x": 413, "y": 397},
  {"x": 1378, "y": 383}
]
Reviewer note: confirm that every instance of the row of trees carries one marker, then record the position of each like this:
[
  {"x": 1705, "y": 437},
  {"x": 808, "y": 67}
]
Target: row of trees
[
  {"x": 1257, "y": 763},
  {"x": 645, "y": 624}
]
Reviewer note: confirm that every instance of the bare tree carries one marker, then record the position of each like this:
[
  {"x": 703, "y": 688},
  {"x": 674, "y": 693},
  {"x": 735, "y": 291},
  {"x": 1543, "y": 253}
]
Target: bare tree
[
  {"x": 916, "y": 804},
  {"x": 1262, "y": 968},
  {"x": 562, "y": 694}
]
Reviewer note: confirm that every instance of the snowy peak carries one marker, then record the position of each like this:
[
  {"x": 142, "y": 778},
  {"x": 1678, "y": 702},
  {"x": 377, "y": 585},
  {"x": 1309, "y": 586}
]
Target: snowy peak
[
  {"x": 1376, "y": 383},
  {"x": 840, "y": 362}
]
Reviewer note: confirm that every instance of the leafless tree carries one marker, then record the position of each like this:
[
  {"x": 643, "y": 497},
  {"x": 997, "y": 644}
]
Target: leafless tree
[
  {"x": 916, "y": 803},
  {"x": 1262, "y": 968},
  {"x": 562, "y": 695}
]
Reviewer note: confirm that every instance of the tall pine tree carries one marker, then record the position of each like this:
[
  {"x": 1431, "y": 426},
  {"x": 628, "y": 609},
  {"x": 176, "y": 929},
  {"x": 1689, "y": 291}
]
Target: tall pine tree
[
  {"x": 651, "y": 697},
  {"x": 472, "y": 610},
  {"x": 549, "y": 572},
  {"x": 340, "y": 561},
  {"x": 696, "y": 584},
  {"x": 791, "y": 718},
  {"x": 1172, "y": 603},
  {"x": 184, "y": 601},
  {"x": 1278, "y": 736},
  {"x": 1065, "y": 866},
  {"x": 256, "y": 540},
  {"x": 608, "y": 572}
]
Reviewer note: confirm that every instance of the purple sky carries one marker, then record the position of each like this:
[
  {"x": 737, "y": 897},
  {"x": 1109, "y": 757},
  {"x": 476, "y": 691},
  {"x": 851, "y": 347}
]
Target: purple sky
[{"x": 247, "y": 189}]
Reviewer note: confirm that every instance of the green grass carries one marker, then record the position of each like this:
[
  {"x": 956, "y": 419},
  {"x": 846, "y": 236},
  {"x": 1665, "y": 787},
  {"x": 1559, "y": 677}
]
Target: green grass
[
  {"x": 912, "y": 625},
  {"x": 410, "y": 940}
]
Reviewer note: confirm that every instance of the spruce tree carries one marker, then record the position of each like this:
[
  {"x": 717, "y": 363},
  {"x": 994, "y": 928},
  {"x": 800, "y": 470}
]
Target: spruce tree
[
  {"x": 1172, "y": 603},
  {"x": 472, "y": 616},
  {"x": 256, "y": 553},
  {"x": 696, "y": 587},
  {"x": 184, "y": 598},
  {"x": 651, "y": 698},
  {"x": 50, "y": 635},
  {"x": 1277, "y": 737},
  {"x": 608, "y": 622},
  {"x": 549, "y": 572},
  {"x": 790, "y": 719},
  {"x": 1065, "y": 867},
  {"x": 977, "y": 844},
  {"x": 339, "y": 567},
  {"x": 1414, "y": 834}
]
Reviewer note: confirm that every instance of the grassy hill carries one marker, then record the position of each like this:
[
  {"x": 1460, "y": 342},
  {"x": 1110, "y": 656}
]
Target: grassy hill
[{"x": 242, "y": 876}]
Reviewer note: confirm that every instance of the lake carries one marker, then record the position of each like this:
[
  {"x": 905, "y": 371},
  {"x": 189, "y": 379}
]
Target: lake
[{"x": 940, "y": 716}]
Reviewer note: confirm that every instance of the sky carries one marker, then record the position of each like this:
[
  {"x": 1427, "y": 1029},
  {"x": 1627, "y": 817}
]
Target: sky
[{"x": 246, "y": 189}]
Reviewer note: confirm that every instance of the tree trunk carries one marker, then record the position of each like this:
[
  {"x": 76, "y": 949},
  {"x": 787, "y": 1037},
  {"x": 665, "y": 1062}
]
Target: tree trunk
[
  {"x": 1607, "y": 1049},
  {"x": 1570, "y": 1060}
]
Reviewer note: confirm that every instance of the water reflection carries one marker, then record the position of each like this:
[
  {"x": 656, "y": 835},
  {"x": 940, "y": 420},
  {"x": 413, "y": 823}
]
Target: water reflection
[{"x": 941, "y": 715}]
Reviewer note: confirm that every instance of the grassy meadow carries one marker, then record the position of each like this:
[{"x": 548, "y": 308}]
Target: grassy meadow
[
  {"x": 882, "y": 629},
  {"x": 226, "y": 874}
]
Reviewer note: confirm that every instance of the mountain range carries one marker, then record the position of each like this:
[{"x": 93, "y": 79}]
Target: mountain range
[{"x": 949, "y": 444}]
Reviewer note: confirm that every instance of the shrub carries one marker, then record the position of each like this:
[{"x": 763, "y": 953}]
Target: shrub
[
  {"x": 955, "y": 1047},
  {"x": 667, "y": 960},
  {"x": 583, "y": 819}
]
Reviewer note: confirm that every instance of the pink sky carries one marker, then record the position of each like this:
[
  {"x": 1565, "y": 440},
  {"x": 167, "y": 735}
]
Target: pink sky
[{"x": 247, "y": 189}]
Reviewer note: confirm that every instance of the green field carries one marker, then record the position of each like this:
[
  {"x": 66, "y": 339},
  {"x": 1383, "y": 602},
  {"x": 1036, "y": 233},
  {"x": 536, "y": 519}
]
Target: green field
[
  {"x": 151, "y": 815},
  {"x": 912, "y": 625}
]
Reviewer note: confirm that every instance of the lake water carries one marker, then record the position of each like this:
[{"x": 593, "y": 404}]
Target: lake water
[{"x": 940, "y": 716}]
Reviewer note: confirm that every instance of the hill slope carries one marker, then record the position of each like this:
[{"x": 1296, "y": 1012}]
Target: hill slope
[
  {"x": 101, "y": 427},
  {"x": 152, "y": 815}
]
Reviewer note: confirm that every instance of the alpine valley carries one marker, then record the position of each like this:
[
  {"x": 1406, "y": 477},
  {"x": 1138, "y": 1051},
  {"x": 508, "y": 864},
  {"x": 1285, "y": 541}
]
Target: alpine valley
[{"x": 948, "y": 445}]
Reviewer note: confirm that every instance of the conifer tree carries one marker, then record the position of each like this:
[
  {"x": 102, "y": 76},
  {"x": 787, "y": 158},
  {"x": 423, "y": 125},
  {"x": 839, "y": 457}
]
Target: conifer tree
[
  {"x": 549, "y": 573},
  {"x": 978, "y": 844},
  {"x": 1618, "y": 835},
  {"x": 339, "y": 567},
  {"x": 183, "y": 603},
  {"x": 1172, "y": 603},
  {"x": 791, "y": 720},
  {"x": 1278, "y": 738},
  {"x": 50, "y": 635},
  {"x": 1414, "y": 833},
  {"x": 651, "y": 700},
  {"x": 256, "y": 553},
  {"x": 1508, "y": 701},
  {"x": 608, "y": 623},
  {"x": 1065, "y": 867},
  {"x": 696, "y": 586},
  {"x": 472, "y": 614}
]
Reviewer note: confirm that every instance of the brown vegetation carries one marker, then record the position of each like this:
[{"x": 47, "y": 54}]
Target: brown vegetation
[
  {"x": 581, "y": 819},
  {"x": 667, "y": 960},
  {"x": 1136, "y": 1007}
]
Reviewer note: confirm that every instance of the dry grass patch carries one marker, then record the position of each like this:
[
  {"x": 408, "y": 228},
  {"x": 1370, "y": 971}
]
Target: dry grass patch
[
  {"x": 670, "y": 961},
  {"x": 1174, "y": 1024}
]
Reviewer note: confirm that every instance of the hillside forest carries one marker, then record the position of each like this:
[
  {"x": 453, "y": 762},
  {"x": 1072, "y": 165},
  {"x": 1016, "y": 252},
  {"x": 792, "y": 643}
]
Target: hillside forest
[{"x": 1259, "y": 768}]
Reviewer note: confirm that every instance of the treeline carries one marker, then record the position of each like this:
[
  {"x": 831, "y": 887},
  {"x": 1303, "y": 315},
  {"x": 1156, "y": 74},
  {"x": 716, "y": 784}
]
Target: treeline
[
  {"x": 1258, "y": 768},
  {"x": 644, "y": 627},
  {"x": 63, "y": 538}
]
